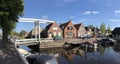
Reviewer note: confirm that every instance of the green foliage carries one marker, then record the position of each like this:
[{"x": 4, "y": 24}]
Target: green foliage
[
  {"x": 10, "y": 10},
  {"x": 109, "y": 29},
  {"x": 102, "y": 28},
  {"x": 22, "y": 33},
  {"x": 14, "y": 33},
  {"x": 91, "y": 26}
]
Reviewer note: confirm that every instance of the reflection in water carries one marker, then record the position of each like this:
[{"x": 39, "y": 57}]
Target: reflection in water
[
  {"x": 117, "y": 47},
  {"x": 82, "y": 55},
  {"x": 101, "y": 50},
  {"x": 69, "y": 54}
]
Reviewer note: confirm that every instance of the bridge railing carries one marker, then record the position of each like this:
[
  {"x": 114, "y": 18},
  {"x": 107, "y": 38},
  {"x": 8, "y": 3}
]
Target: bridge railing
[
  {"x": 25, "y": 41},
  {"x": 33, "y": 40},
  {"x": 46, "y": 40}
]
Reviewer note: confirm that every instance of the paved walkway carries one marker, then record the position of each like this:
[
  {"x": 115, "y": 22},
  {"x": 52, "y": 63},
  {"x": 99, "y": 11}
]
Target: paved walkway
[{"x": 59, "y": 43}]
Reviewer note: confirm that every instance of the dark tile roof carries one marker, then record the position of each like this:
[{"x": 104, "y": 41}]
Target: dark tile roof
[
  {"x": 116, "y": 30},
  {"x": 93, "y": 29},
  {"x": 48, "y": 26},
  {"x": 87, "y": 28},
  {"x": 77, "y": 26},
  {"x": 65, "y": 24}
]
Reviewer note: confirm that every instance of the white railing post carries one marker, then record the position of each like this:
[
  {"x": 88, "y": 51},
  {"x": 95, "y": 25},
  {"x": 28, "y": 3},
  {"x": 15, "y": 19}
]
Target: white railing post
[
  {"x": 39, "y": 30},
  {"x": 52, "y": 40},
  {"x": 46, "y": 40}
]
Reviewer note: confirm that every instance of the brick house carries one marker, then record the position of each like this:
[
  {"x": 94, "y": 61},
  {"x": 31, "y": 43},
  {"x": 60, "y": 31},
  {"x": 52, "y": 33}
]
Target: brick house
[
  {"x": 52, "y": 30},
  {"x": 80, "y": 29},
  {"x": 69, "y": 31}
]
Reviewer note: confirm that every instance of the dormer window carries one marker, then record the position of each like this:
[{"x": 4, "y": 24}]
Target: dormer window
[
  {"x": 70, "y": 28},
  {"x": 62, "y": 27}
]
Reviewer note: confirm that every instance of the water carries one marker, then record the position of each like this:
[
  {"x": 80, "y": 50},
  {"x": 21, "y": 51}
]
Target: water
[{"x": 103, "y": 55}]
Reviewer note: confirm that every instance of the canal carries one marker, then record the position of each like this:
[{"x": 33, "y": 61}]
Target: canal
[{"x": 109, "y": 54}]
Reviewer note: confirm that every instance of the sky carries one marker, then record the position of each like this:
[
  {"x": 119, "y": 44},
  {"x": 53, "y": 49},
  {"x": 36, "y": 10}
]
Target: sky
[{"x": 88, "y": 12}]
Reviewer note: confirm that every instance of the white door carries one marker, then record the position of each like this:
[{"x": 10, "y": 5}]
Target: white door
[
  {"x": 59, "y": 34},
  {"x": 54, "y": 33}
]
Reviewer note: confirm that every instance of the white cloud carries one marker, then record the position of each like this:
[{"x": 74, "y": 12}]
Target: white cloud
[
  {"x": 95, "y": 12},
  {"x": 90, "y": 12},
  {"x": 117, "y": 11},
  {"x": 86, "y": 12},
  {"x": 114, "y": 20},
  {"x": 44, "y": 17}
]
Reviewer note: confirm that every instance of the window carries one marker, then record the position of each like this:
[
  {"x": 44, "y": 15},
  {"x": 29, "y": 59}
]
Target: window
[
  {"x": 55, "y": 28},
  {"x": 70, "y": 28},
  {"x": 69, "y": 34},
  {"x": 62, "y": 27}
]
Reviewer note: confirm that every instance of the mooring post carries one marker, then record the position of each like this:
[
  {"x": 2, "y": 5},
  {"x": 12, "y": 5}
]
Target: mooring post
[
  {"x": 86, "y": 46},
  {"x": 95, "y": 46}
]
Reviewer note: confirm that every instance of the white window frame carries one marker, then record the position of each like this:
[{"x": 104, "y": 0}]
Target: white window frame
[{"x": 55, "y": 28}]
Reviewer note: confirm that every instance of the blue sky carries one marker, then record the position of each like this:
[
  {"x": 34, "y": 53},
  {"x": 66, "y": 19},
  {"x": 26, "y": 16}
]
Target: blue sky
[{"x": 79, "y": 11}]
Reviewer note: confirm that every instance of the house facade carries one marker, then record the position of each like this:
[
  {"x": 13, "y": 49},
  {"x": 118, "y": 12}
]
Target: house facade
[
  {"x": 33, "y": 32},
  {"x": 89, "y": 31},
  {"x": 80, "y": 29},
  {"x": 53, "y": 30},
  {"x": 69, "y": 31}
]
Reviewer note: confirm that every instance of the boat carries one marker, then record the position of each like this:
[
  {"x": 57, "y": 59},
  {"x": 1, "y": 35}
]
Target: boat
[{"x": 107, "y": 41}]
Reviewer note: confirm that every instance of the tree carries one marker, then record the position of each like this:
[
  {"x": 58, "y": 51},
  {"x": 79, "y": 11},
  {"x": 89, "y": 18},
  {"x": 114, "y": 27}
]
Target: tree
[
  {"x": 13, "y": 33},
  {"x": 109, "y": 29},
  {"x": 91, "y": 26},
  {"x": 22, "y": 33},
  {"x": 102, "y": 28},
  {"x": 10, "y": 10}
]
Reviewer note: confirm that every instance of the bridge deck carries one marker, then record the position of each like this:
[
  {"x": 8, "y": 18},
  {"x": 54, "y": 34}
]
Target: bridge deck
[{"x": 28, "y": 42}]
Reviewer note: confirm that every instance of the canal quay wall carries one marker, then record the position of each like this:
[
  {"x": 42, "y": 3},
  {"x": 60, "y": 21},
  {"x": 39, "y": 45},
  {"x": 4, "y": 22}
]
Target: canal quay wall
[{"x": 59, "y": 43}]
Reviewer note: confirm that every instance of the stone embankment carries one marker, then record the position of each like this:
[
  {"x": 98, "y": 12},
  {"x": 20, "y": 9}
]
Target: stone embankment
[{"x": 9, "y": 54}]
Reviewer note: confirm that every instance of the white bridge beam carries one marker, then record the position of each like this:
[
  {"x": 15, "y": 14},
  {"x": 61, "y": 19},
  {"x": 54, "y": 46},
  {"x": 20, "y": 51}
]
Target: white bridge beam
[
  {"x": 37, "y": 23},
  {"x": 35, "y": 20}
]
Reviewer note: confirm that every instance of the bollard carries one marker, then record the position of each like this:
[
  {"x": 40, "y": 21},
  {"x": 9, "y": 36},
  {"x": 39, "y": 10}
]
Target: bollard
[{"x": 95, "y": 46}]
